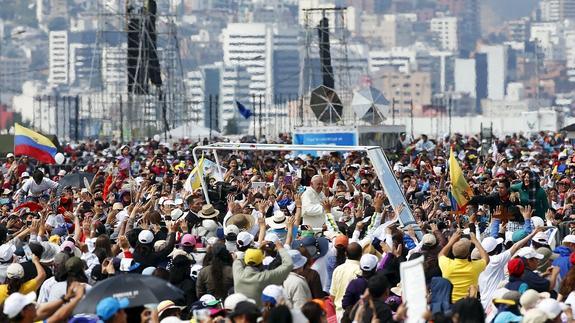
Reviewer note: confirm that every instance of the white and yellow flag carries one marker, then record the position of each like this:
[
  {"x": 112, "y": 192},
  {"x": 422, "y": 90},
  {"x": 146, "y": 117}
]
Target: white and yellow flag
[{"x": 194, "y": 180}]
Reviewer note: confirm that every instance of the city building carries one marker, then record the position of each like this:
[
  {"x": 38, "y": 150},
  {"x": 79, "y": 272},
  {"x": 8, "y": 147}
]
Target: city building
[
  {"x": 212, "y": 92},
  {"x": 557, "y": 10},
  {"x": 548, "y": 36},
  {"x": 468, "y": 14},
  {"x": 58, "y": 57},
  {"x": 262, "y": 48},
  {"x": 404, "y": 89},
  {"x": 497, "y": 66},
  {"x": 519, "y": 30},
  {"x": 445, "y": 31}
]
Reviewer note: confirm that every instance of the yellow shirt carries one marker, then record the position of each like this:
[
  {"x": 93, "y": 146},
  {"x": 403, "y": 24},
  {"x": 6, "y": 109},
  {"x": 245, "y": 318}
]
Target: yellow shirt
[
  {"x": 27, "y": 287},
  {"x": 342, "y": 275},
  {"x": 461, "y": 273}
]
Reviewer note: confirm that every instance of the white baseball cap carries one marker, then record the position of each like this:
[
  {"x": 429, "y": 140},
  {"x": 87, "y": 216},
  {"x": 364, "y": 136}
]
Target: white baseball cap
[
  {"x": 146, "y": 236},
  {"x": 7, "y": 252},
  {"x": 541, "y": 237},
  {"x": 570, "y": 238},
  {"x": 528, "y": 253},
  {"x": 368, "y": 262},
  {"x": 232, "y": 228},
  {"x": 272, "y": 237},
  {"x": 490, "y": 243},
  {"x": 233, "y": 300},
  {"x": 274, "y": 291},
  {"x": 15, "y": 270},
  {"x": 16, "y": 302},
  {"x": 551, "y": 307},
  {"x": 168, "y": 202},
  {"x": 9, "y": 155},
  {"x": 244, "y": 239},
  {"x": 176, "y": 214},
  {"x": 537, "y": 222},
  {"x": 61, "y": 172},
  {"x": 25, "y": 174}
]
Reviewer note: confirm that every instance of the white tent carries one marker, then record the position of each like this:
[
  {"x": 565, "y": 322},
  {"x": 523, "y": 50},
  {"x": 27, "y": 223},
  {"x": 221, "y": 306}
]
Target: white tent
[{"x": 191, "y": 130}]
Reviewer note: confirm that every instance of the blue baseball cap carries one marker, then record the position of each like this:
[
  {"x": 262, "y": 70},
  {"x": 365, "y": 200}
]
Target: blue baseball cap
[{"x": 109, "y": 306}]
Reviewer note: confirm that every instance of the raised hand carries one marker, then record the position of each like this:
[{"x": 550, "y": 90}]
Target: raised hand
[
  {"x": 378, "y": 202},
  {"x": 297, "y": 199},
  {"x": 326, "y": 205},
  {"x": 526, "y": 211}
]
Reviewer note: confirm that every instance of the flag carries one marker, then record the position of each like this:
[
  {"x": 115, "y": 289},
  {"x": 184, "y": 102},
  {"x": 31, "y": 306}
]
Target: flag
[
  {"x": 32, "y": 144},
  {"x": 460, "y": 190},
  {"x": 245, "y": 112},
  {"x": 194, "y": 180}
]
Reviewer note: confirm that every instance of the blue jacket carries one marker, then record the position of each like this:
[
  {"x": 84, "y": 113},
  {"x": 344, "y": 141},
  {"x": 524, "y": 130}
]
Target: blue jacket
[{"x": 563, "y": 261}]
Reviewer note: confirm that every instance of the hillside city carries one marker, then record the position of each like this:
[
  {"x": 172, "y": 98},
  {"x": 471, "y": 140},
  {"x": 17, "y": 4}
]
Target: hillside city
[{"x": 62, "y": 63}]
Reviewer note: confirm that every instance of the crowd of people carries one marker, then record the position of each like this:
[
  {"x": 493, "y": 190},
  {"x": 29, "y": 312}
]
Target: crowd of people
[{"x": 289, "y": 237}]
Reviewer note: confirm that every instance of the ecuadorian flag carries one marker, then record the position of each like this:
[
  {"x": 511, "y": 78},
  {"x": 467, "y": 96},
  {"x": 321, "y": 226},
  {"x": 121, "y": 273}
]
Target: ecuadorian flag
[
  {"x": 34, "y": 145},
  {"x": 460, "y": 193}
]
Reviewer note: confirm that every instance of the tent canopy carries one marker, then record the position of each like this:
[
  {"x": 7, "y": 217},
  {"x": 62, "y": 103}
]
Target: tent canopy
[{"x": 191, "y": 130}]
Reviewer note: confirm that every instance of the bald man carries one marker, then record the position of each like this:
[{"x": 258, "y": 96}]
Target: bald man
[{"x": 312, "y": 210}]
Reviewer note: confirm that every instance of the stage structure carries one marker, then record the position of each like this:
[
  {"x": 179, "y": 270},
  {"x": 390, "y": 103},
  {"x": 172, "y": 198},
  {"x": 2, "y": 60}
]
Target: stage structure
[
  {"x": 376, "y": 155},
  {"x": 325, "y": 69},
  {"x": 138, "y": 60}
]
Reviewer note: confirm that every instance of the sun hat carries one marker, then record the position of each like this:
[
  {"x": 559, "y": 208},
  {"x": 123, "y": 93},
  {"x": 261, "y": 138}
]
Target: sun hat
[
  {"x": 277, "y": 221},
  {"x": 166, "y": 305},
  {"x": 208, "y": 212},
  {"x": 297, "y": 259},
  {"x": 241, "y": 220},
  {"x": 551, "y": 307}
]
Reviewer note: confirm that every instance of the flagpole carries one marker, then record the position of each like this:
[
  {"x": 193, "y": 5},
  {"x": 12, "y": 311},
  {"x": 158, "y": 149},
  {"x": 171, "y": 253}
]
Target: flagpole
[
  {"x": 260, "y": 119},
  {"x": 211, "y": 112},
  {"x": 254, "y": 110}
]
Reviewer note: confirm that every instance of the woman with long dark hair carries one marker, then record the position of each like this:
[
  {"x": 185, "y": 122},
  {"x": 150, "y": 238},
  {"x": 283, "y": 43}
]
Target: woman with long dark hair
[
  {"x": 180, "y": 277},
  {"x": 216, "y": 278}
]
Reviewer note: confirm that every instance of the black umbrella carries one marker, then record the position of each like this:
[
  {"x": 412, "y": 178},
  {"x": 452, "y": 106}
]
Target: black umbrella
[
  {"x": 326, "y": 104},
  {"x": 139, "y": 289},
  {"x": 76, "y": 180}
]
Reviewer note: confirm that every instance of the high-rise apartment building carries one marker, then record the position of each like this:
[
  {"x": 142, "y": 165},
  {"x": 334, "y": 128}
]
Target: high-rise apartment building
[
  {"x": 445, "y": 31},
  {"x": 58, "y": 57}
]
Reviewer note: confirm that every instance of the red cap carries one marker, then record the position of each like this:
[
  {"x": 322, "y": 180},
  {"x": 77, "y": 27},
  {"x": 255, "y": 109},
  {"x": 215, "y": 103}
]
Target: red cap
[
  {"x": 341, "y": 240},
  {"x": 516, "y": 267}
]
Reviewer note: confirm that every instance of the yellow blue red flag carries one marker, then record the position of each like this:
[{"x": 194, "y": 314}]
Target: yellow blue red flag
[
  {"x": 32, "y": 144},
  {"x": 461, "y": 192}
]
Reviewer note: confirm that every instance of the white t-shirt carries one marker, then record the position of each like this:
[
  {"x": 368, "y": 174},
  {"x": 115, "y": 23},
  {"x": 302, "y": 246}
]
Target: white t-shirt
[
  {"x": 33, "y": 189},
  {"x": 59, "y": 289},
  {"x": 492, "y": 276}
]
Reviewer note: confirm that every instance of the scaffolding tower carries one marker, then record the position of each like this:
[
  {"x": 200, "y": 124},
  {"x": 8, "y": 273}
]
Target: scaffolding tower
[
  {"x": 138, "y": 59},
  {"x": 313, "y": 72}
]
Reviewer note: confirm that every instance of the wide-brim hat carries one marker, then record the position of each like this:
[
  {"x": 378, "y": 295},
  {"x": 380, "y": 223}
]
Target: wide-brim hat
[
  {"x": 277, "y": 221},
  {"x": 208, "y": 212},
  {"x": 241, "y": 220},
  {"x": 316, "y": 247}
]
